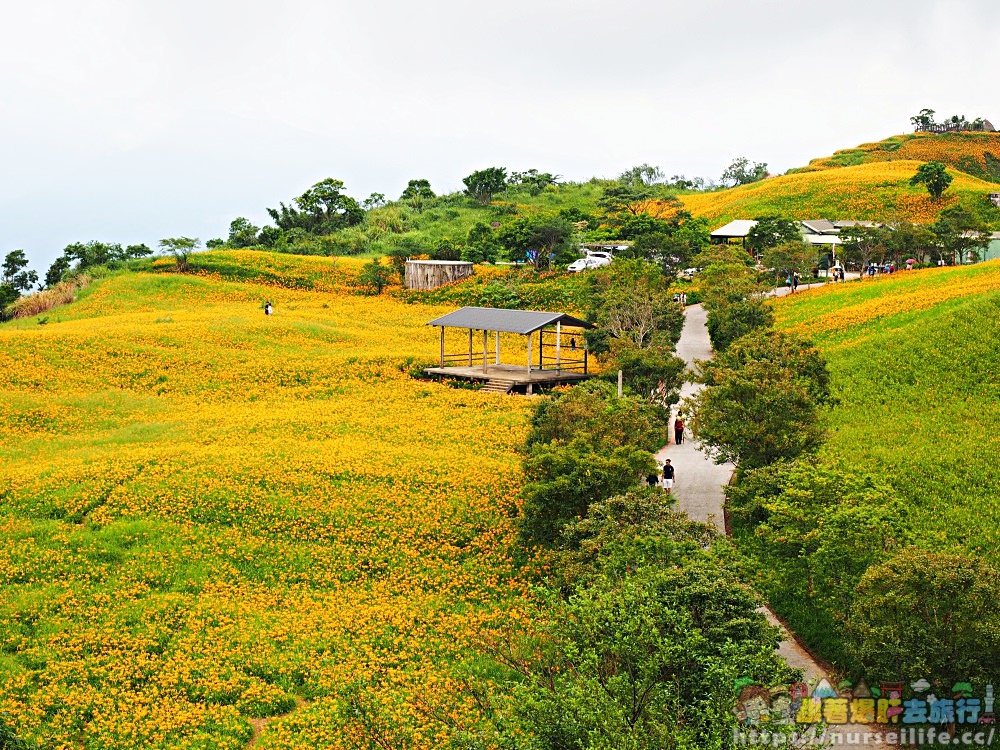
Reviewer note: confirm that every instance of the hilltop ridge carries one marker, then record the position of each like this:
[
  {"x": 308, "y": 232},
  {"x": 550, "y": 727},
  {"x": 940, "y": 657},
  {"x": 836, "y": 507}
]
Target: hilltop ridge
[{"x": 974, "y": 153}]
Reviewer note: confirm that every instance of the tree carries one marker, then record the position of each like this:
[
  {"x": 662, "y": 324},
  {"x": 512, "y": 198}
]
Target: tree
[
  {"x": 563, "y": 480},
  {"x": 181, "y": 248},
  {"x": 641, "y": 661},
  {"x": 735, "y": 320},
  {"x": 534, "y": 180},
  {"x": 416, "y": 192},
  {"x": 15, "y": 274},
  {"x": 322, "y": 209},
  {"x": 481, "y": 246},
  {"x": 760, "y": 403},
  {"x": 864, "y": 242},
  {"x": 56, "y": 271},
  {"x": 548, "y": 237},
  {"x": 728, "y": 276},
  {"x": 446, "y": 250},
  {"x": 592, "y": 412},
  {"x": 134, "y": 252},
  {"x": 645, "y": 175},
  {"x": 743, "y": 172},
  {"x": 924, "y": 120},
  {"x": 375, "y": 200},
  {"x": 958, "y": 232},
  {"x": 242, "y": 233},
  {"x": 375, "y": 276},
  {"x": 620, "y": 199},
  {"x": 630, "y": 301},
  {"x": 819, "y": 529},
  {"x": 771, "y": 231},
  {"x": 485, "y": 183},
  {"x": 940, "y": 613},
  {"x": 653, "y": 372},
  {"x": 907, "y": 239},
  {"x": 788, "y": 258},
  {"x": 934, "y": 176}
]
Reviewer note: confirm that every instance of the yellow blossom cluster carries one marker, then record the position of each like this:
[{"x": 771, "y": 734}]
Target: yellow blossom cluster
[
  {"x": 209, "y": 514},
  {"x": 977, "y": 154},
  {"x": 841, "y": 308},
  {"x": 878, "y": 191}
]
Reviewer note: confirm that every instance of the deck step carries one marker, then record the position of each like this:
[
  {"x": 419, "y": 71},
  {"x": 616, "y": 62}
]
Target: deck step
[{"x": 498, "y": 385}]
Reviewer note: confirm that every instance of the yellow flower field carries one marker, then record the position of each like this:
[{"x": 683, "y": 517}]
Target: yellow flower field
[
  {"x": 885, "y": 297},
  {"x": 878, "y": 192},
  {"x": 210, "y": 514},
  {"x": 977, "y": 154}
]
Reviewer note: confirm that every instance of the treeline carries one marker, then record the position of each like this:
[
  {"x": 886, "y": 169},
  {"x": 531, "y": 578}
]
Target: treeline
[
  {"x": 71, "y": 271},
  {"x": 500, "y": 215},
  {"x": 646, "y": 630},
  {"x": 829, "y": 544}
]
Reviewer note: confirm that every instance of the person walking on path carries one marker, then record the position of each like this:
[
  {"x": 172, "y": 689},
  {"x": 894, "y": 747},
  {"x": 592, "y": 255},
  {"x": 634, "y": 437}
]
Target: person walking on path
[
  {"x": 668, "y": 475},
  {"x": 678, "y": 430},
  {"x": 684, "y": 299},
  {"x": 267, "y": 308}
]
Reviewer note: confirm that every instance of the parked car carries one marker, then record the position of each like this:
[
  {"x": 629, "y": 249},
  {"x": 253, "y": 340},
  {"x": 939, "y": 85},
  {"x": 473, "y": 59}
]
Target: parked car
[
  {"x": 582, "y": 264},
  {"x": 592, "y": 260}
]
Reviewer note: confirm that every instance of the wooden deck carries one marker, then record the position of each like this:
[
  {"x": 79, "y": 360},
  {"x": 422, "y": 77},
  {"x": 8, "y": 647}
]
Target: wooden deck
[{"x": 517, "y": 374}]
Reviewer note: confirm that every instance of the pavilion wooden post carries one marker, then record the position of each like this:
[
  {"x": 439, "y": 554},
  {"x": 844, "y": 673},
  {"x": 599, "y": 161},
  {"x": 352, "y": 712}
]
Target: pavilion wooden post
[
  {"x": 558, "y": 342},
  {"x": 541, "y": 351},
  {"x": 529, "y": 353},
  {"x": 442, "y": 346},
  {"x": 485, "y": 349},
  {"x": 585, "y": 358},
  {"x": 470, "y": 347},
  {"x": 497, "y": 346}
]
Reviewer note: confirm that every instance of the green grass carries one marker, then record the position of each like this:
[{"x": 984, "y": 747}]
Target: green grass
[{"x": 916, "y": 372}]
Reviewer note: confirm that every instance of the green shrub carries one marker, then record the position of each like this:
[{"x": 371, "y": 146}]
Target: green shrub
[
  {"x": 643, "y": 662},
  {"x": 563, "y": 480},
  {"x": 814, "y": 532},
  {"x": 732, "y": 321},
  {"x": 928, "y": 615},
  {"x": 592, "y": 412}
]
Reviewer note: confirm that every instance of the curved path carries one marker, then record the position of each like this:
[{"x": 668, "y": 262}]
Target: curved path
[{"x": 700, "y": 483}]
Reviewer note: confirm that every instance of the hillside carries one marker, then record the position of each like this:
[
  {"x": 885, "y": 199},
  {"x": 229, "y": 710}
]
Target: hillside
[
  {"x": 976, "y": 154},
  {"x": 210, "y": 514},
  {"x": 915, "y": 368},
  {"x": 875, "y": 192}
]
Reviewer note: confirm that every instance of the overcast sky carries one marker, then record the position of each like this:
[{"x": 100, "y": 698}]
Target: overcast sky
[{"x": 130, "y": 121}]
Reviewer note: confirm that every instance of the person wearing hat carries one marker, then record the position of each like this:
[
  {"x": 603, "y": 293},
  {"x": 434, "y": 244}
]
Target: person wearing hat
[{"x": 668, "y": 476}]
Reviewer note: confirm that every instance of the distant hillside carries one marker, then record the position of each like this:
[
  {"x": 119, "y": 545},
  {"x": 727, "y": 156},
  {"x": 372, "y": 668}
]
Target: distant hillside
[
  {"x": 874, "y": 191},
  {"x": 976, "y": 154}
]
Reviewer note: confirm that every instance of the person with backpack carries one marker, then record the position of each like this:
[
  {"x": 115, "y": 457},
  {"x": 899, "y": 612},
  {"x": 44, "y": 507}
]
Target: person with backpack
[{"x": 678, "y": 429}]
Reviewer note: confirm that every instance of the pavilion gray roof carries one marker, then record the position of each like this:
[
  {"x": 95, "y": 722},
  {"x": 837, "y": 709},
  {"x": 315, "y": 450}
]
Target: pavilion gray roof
[{"x": 507, "y": 321}]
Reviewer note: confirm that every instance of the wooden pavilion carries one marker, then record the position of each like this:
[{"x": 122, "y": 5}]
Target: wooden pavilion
[{"x": 552, "y": 363}]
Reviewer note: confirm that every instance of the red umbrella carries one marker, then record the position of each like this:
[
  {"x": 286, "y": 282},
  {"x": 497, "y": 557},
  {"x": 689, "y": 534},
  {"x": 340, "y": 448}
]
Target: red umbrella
[{"x": 911, "y": 260}]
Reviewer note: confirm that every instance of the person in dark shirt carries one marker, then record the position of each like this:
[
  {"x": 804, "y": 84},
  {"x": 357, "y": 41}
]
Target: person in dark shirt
[{"x": 668, "y": 476}]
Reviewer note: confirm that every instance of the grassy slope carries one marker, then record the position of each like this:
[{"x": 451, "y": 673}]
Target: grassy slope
[
  {"x": 917, "y": 370},
  {"x": 976, "y": 154},
  {"x": 877, "y": 191},
  {"x": 451, "y": 217},
  {"x": 206, "y": 511}
]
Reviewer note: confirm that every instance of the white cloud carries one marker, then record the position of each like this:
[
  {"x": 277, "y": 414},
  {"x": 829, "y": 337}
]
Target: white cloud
[{"x": 129, "y": 121}]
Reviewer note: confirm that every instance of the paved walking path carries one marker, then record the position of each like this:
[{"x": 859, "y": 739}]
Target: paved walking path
[{"x": 700, "y": 481}]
